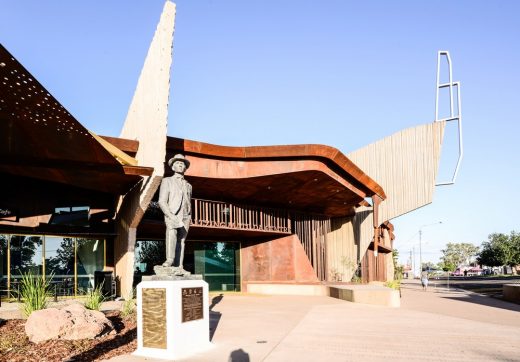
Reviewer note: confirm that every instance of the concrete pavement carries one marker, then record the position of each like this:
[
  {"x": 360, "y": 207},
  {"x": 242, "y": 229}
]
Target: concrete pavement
[{"x": 436, "y": 325}]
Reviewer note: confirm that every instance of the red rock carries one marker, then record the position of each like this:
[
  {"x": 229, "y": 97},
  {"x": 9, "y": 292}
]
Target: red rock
[{"x": 71, "y": 322}]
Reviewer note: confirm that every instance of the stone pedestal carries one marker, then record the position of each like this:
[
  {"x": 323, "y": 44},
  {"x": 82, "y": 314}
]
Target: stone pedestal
[{"x": 172, "y": 318}]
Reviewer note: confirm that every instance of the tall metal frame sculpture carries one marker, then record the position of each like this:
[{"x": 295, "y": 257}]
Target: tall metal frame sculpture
[{"x": 452, "y": 117}]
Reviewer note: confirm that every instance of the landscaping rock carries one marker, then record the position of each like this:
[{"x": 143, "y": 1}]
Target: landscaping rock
[{"x": 72, "y": 322}]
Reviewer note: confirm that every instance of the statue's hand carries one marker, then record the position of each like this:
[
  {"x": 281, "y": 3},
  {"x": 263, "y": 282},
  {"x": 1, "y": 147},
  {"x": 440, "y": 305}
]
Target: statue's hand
[
  {"x": 173, "y": 222},
  {"x": 169, "y": 223}
]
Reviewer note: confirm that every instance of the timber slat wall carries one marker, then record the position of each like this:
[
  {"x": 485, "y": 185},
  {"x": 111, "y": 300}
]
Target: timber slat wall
[
  {"x": 347, "y": 242},
  {"x": 312, "y": 230},
  {"x": 405, "y": 164}
]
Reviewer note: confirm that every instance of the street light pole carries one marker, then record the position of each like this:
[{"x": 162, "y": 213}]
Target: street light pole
[
  {"x": 420, "y": 244},
  {"x": 420, "y": 252}
]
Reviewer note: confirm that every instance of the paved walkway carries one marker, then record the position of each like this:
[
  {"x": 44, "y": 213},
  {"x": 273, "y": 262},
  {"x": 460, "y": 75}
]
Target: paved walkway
[{"x": 436, "y": 325}]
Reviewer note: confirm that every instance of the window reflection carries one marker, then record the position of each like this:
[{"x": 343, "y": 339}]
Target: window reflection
[
  {"x": 3, "y": 263},
  {"x": 218, "y": 263},
  {"x": 59, "y": 262},
  {"x": 70, "y": 261},
  {"x": 90, "y": 258},
  {"x": 26, "y": 255},
  {"x": 148, "y": 253}
]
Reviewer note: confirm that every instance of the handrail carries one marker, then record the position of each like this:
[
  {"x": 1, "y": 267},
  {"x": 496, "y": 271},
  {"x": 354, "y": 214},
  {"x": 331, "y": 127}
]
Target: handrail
[
  {"x": 227, "y": 215},
  {"x": 244, "y": 217}
]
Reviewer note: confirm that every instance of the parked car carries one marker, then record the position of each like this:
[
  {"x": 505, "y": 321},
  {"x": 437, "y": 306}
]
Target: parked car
[
  {"x": 436, "y": 274},
  {"x": 458, "y": 273},
  {"x": 475, "y": 271}
]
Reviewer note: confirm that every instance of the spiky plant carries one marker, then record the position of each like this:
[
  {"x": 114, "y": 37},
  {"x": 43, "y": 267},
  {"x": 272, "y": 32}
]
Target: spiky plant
[
  {"x": 94, "y": 298},
  {"x": 34, "y": 291}
]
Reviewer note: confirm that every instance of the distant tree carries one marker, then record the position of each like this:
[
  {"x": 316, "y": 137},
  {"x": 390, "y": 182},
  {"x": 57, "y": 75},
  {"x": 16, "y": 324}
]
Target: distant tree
[
  {"x": 429, "y": 266},
  {"x": 63, "y": 261},
  {"x": 447, "y": 266},
  {"x": 398, "y": 269},
  {"x": 3, "y": 255},
  {"x": 458, "y": 253},
  {"x": 24, "y": 255},
  {"x": 395, "y": 256},
  {"x": 514, "y": 245},
  {"x": 151, "y": 253},
  {"x": 500, "y": 249}
]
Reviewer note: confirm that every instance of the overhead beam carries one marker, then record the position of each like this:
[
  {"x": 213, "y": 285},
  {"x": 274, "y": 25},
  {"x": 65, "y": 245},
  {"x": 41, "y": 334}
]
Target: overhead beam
[{"x": 326, "y": 154}]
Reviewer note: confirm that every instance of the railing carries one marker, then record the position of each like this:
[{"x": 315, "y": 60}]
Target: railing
[
  {"x": 227, "y": 215},
  {"x": 311, "y": 229}
]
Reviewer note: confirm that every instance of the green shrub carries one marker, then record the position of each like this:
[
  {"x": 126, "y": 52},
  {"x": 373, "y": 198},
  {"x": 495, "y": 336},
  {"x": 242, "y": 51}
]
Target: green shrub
[
  {"x": 94, "y": 298},
  {"x": 394, "y": 284},
  {"x": 128, "y": 307},
  {"x": 356, "y": 279},
  {"x": 34, "y": 290}
]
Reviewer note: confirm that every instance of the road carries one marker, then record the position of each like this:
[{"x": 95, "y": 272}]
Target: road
[{"x": 484, "y": 285}]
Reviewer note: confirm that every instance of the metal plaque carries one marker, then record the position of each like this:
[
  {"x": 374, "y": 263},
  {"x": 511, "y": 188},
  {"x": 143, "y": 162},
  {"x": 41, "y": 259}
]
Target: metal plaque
[
  {"x": 154, "y": 318},
  {"x": 192, "y": 304}
]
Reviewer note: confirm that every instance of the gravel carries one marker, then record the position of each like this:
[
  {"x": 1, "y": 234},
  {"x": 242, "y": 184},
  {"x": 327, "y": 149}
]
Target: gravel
[{"x": 15, "y": 346}]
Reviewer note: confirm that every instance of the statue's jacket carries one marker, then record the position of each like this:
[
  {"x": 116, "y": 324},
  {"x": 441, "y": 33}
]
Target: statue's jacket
[{"x": 173, "y": 195}]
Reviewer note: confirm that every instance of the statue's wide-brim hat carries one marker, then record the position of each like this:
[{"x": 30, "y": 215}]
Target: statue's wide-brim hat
[{"x": 179, "y": 157}]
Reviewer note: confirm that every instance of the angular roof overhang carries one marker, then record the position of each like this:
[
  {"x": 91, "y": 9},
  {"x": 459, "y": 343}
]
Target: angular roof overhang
[
  {"x": 313, "y": 178},
  {"x": 40, "y": 139}
]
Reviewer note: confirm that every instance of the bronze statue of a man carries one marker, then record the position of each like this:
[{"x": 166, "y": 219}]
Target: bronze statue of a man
[{"x": 175, "y": 202}]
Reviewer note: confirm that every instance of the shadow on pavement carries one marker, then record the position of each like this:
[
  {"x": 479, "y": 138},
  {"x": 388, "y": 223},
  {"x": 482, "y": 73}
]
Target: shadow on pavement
[
  {"x": 216, "y": 300},
  {"x": 239, "y": 355},
  {"x": 214, "y": 317},
  {"x": 487, "y": 301}
]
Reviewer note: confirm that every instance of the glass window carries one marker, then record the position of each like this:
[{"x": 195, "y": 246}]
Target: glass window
[
  {"x": 90, "y": 254},
  {"x": 77, "y": 215},
  {"x": 218, "y": 262},
  {"x": 149, "y": 253},
  {"x": 26, "y": 255},
  {"x": 59, "y": 262},
  {"x": 3, "y": 263}
]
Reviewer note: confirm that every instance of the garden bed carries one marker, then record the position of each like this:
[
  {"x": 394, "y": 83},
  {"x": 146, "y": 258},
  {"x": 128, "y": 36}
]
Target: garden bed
[{"x": 15, "y": 346}]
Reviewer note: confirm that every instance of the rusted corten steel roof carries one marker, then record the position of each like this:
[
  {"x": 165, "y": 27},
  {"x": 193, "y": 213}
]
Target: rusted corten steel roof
[
  {"x": 314, "y": 178},
  {"x": 40, "y": 139}
]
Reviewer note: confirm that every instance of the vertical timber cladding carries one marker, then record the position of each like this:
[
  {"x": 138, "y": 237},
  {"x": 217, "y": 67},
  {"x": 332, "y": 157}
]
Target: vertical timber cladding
[
  {"x": 405, "y": 164},
  {"x": 373, "y": 268},
  {"x": 154, "y": 318},
  {"x": 192, "y": 304},
  {"x": 312, "y": 231}
]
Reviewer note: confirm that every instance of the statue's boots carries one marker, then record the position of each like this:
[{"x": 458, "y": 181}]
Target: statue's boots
[
  {"x": 168, "y": 262},
  {"x": 182, "y": 272}
]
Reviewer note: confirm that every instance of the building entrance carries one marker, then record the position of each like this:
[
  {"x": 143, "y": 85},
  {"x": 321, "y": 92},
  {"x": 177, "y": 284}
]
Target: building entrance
[{"x": 218, "y": 262}]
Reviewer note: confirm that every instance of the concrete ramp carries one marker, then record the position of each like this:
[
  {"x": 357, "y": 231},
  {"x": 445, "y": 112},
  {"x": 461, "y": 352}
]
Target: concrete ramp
[
  {"x": 367, "y": 294},
  {"x": 363, "y": 293},
  {"x": 511, "y": 292}
]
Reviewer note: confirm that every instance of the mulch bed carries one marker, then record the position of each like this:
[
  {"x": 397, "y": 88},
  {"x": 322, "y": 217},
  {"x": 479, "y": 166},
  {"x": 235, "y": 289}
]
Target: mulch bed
[{"x": 15, "y": 346}]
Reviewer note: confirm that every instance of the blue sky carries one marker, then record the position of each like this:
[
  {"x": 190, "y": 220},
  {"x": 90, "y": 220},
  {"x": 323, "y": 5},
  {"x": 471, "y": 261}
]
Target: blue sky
[{"x": 341, "y": 73}]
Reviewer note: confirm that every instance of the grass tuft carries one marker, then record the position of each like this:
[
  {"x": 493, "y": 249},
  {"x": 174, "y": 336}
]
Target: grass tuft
[
  {"x": 94, "y": 298},
  {"x": 128, "y": 307},
  {"x": 394, "y": 284},
  {"x": 34, "y": 290}
]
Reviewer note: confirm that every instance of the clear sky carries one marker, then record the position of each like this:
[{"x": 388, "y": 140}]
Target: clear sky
[{"x": 341, "y": 73}]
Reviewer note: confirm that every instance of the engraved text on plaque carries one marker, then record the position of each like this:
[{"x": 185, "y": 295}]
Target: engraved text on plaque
[{"x": 192, "y": 303}]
